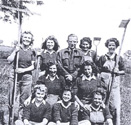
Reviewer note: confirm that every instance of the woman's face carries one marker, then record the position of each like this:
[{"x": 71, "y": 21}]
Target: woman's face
[
  {"x": 97, "y": 100},
  {"x": 39, "y": 95},
  {"x": 50, "y": 44},
  {"x": 85, "y": 45},
  {"x": 88, "y": 71},
  {"x": 111, "y": 47},
  {"x": 26, "y": 39},
  {"x": 66, "y": 96},
  {"x": 52, "y": 70}
]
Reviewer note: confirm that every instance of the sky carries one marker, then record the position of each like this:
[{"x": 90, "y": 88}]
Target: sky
[{"x": 85, "y": 18}]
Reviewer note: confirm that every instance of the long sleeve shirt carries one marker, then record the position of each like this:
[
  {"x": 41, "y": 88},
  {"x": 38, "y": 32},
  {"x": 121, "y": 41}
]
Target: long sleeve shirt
[
  {"x": 54, "y": 87},
  {"x": 105, "y": 57},
  {"x": 64, "y": 113},
  {"x": 37, "y": 114},
  {"x": 97, "y": 116},
  {"x": 47, "y": 57},
  {"x": 69, "y": 61},
  {"x": 85, "y": 88}
]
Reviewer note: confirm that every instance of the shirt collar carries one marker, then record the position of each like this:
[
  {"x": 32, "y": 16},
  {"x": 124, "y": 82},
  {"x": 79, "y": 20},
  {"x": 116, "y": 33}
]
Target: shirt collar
[
  {"x": 48, "y": 77},
  {"x": 69, "y": 50},
  {"x": 87, "y": 52},
  {"x": 97, "y": 109},
  {"x": 46, "y": 51},
  {"x": 33, "y": 101},
  {"x": 111, "y": 57},
  {"x": 63, "y": 104},
  {"x": 86, "y": 78}
]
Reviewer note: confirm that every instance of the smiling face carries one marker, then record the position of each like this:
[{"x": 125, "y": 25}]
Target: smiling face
[
  {"x": 66, "y": 96},
  {"x": 50, "y": 44},
  {"x": 39, "y": 95},
  {"x": 111, "y": 47},
  {"x": 97, "y": 100},
  {"x": 72, "y": 42},
  {"x": 52, "y": 70},
  {"x": 26, "y": 39},
  {"x": 88, "y": 71},
  {"x": 85, "y": 45}
]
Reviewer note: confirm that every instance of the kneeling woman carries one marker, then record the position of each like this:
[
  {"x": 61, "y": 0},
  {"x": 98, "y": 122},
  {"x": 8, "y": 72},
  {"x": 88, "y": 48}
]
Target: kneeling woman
[
  {"x": 97, "y": 113},
  {"x": 38, "y": 111},
  {"x": 65, "y": 111}
]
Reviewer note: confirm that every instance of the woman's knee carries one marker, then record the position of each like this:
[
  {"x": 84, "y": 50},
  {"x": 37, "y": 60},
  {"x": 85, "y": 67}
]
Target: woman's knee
[{"x": 84, "y": 122}]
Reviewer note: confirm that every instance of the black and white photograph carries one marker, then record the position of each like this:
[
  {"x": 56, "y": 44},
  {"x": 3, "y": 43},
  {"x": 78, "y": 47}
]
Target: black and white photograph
[{"x": 65, "y": 62}]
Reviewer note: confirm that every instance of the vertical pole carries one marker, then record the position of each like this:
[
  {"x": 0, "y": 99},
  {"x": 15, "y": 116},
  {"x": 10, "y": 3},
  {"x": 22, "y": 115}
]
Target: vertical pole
[{"x": 17, "y": 59}]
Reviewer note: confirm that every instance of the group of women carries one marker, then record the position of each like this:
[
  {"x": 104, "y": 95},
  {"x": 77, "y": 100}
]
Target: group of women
[{"x": 52, "y": 101}]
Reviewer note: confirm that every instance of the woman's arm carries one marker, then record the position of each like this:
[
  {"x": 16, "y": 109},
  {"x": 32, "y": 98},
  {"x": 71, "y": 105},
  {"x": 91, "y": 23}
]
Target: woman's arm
[
  {"x": 13, "y": 54},
  {"x": 22, "y": 70}
]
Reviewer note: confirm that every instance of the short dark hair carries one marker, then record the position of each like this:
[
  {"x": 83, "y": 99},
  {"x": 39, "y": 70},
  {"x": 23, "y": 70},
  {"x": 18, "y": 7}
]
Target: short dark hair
[
  {"x": 99, "y": 91},
  {"x": 27, "y": 32},
  {"x": 49, "y": 64},
  {"x": 87, "y": 39},
  {"x": 112, "y": 40},
  {"x": 56, "y": 46},
  {"x": 70, "y": 90},
  {"x": 93, "y": 66}
]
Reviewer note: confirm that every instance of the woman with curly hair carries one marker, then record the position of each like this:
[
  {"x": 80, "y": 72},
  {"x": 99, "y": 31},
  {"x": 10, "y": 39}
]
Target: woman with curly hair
[
  {"x": 86, "y": 45},
  {"x": 48, "y": 54},
  {"x": 87, "y": 83},
  {"x": 109, "y": 65}
]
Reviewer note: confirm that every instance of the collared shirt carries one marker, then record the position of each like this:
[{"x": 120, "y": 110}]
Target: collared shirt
[
  {"x": 65, "y": 113},
  {"x": 70, "y": 61},
  {"x": 84, "y": 77},
  {"x": 52, "y": 79},
  {"x": 46, "y": 51},
  {"x": 106, "y": 57},
  {"x": 47, "y": 57},
  {"x": 91, "y": 56},
  {"x": 37, "y": 114},
  {"x": 97, "y": 116},
  {"x": 54, "y": 87},
  {"x": 86, "y": 87}
]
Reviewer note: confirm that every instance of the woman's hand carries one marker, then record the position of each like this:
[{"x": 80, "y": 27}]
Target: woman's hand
[
  {"x": 26, "y": 122},
  {"x": 69, "y": 78},
  {"x": 109, "y": 121},
  {"x": 39, "y": 51},
  {"x": 27, "y": 101},
  {"x": 115, "y": 71},
  {"x": 42, "y": 73},
  {"x": 17, "y": 48}
]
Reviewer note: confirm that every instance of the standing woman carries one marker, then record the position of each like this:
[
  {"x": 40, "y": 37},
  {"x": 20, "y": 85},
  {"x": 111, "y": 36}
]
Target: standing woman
[
  {"x": 107, "y": 65},
  {"x": 48, "y": 54},
  {"x": 85, "y": 45},
  {"x": 25, "y": 65}
]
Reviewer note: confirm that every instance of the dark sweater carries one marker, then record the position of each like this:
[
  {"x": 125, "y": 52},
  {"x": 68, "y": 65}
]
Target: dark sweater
[
  {"x": 54, "y": 87},
  {"x": 37, "y": 114},
  {"x": 85, "y": 88},
  {"x": 69, "y": 114}
]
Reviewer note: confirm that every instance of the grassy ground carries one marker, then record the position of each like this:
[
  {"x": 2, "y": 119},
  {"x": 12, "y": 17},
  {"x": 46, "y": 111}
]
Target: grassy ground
[{"x": 125, "y": 95}]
